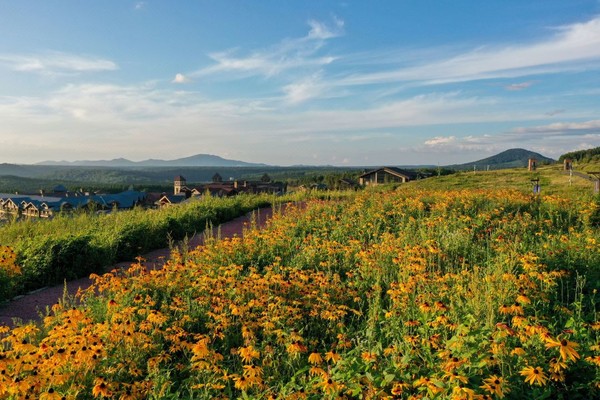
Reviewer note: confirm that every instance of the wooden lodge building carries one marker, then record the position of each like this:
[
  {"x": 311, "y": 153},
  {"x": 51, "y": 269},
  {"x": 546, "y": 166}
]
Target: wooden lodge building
[{"x": 385, "y": 175}]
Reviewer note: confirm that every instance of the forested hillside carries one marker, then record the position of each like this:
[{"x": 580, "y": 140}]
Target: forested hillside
[{"x": 582, "y": 156}]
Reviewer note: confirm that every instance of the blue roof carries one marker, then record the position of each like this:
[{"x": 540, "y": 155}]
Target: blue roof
[{"x": 126, "y": 199}]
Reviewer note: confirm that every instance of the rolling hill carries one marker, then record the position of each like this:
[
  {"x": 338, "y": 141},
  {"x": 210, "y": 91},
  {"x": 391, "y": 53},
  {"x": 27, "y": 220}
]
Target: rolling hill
[{"x": 512, "y": 158}]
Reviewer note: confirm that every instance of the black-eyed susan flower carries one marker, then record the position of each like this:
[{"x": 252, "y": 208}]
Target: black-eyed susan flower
[
  {"x": 315, "y": 358},
  {"x": 101, "y": 388},
  {"x": 534, "y": 376},
  {"x": 566, "y": 348},
  {"x": 332, "y": 356},
  {"x": 495, "y": 385},
  {"x": 329, "y": 386}
]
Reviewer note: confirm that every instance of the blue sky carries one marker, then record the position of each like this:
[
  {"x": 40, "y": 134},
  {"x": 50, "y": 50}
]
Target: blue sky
[{"x": 298, "y": 82}]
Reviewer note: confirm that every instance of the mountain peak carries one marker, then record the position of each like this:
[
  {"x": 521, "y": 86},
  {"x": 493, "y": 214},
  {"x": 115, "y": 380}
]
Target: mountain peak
[{"x": 511, "y": 158}]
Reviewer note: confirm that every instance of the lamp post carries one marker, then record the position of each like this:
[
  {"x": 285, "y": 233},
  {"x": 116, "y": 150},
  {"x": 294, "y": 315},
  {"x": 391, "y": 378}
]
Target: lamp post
[
  {"x": 536, "y": 185},
  {"x": 596, "y": 175}
]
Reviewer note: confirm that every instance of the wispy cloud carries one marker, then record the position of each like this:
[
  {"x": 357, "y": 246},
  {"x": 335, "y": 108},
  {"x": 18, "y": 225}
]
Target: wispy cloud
[
  {"x": 289, "y": 54},
  {"x": 555, "y": 112},
  {"x": 136, "y": 117},
  {"x": 518, "y": 86},
  {"x": 575, "y": 43},
  {"x": 561, "y": 128},
  {"x": 139, "y": 5},
  {"x": 319, "y": 30},
  {"x": 54, "y": 63},
  {"x": 303, "y": 90},
  {"x": 551, "y": 139}
]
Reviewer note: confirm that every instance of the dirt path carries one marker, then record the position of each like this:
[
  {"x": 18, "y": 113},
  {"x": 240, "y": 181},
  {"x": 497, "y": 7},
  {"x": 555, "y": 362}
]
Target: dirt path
[{"x": 28, "y": 307}]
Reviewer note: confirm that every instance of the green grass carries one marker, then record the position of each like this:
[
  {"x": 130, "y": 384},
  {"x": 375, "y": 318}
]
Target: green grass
[{"x": 553, "y": 181}]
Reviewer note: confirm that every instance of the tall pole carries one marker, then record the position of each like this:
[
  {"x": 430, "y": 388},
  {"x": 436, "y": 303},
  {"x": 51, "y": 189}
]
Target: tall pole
[{"x": 570, "y": 177}]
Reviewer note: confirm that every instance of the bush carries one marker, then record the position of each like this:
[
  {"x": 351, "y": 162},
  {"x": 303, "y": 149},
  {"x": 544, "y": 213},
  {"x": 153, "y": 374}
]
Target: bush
[{"x": 74, "y": 246}]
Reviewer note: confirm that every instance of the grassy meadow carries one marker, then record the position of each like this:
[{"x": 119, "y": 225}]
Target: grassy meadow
[
  {"x": 458, "y": 287},
  {"x": 74, "y": 245},
  {"x": 552, "y": 179}
]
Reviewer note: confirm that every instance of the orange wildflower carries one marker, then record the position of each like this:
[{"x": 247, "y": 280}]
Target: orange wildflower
[
  {"x": 534, "y": 376},
  {"x": 566, "y": 348},
  {"x": 332, "y": 356},
  {"x": 315, "y": 358},
  {"x": 101, "y": 389}
]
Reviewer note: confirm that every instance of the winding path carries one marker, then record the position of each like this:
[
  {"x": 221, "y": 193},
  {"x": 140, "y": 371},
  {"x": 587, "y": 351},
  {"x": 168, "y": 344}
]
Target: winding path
[{"x": 28, "y": 307}]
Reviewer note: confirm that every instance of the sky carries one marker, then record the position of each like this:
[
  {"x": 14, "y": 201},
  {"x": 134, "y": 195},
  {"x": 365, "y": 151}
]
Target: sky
[{"x": 348, "y": 83}]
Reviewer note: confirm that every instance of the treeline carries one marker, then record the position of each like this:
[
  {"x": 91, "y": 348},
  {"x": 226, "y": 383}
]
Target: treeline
[
  {"x": 16, "y": 184},
  {"x": 32, "y": 178},
  {"x": 582, "y": 156}
]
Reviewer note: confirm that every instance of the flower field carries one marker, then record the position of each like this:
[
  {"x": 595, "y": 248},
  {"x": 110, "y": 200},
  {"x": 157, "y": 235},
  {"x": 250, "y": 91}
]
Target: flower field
[
  {"x": 463, "y": 294},
  {"x": 71, "y": 246}
]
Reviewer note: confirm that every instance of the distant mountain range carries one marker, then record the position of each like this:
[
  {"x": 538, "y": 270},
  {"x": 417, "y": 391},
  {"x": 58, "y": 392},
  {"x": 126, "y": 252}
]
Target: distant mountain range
[
  {"x": 198, "y": 160},
  {"x": 512, "y": 158}
]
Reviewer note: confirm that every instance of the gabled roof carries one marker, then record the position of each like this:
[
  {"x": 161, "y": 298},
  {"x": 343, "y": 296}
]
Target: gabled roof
[
  {"x": 348, "y": 181},
  {"x": 126, "y": 199},
  {"x": 394, "y": 171},
  {"x": 171, "y": 198}
]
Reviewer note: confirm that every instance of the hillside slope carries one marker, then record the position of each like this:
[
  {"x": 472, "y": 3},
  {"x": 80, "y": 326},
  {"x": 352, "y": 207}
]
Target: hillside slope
[{"x": 512, "y": 158}]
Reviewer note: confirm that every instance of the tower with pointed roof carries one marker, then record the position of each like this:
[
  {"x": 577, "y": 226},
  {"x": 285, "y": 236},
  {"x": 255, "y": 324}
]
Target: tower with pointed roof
[{"x": 178, "y": 184}]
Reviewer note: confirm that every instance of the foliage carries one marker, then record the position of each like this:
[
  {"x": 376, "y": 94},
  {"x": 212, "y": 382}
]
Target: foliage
[
  {"x": 32, "y": 178},
  {"x": 582, "y": 156},
  {"x": 73, "y": 246},
  {"x": 454, "y": 294},
  {"x": 9, "y": 271}
]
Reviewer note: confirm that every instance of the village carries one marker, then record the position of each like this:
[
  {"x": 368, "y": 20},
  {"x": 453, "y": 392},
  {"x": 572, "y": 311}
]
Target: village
[{"x": 60, "y": 199}]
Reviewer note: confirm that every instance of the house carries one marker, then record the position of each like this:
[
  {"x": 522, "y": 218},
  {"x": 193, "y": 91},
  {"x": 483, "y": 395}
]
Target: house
[
  {"x": 220, "y": 188},
  {"x": 32, "y": 209},
  {"x": 385, "y": 175},
  {"x": 170, "y": 199},
  {"x": 45, "y": 206}
]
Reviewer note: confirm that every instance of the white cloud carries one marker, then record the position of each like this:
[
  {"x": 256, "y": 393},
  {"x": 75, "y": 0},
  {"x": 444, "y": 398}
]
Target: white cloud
[
  {"x": 319, "y": 30},
  {"x": 140, "y": 5},
  {"x": 440, "y": 140},
  {"x": 289, "y": 54},
  {"x": 550, "y": 140},
  {"x": 52, "y": 63},
  {"x": 303, "y": 90},
  {"x": 561, "y": 128},
  {"x": 139, "y": 119},
  {"x": 576, "y": 43},
  {"x": 180, "y": 78}
]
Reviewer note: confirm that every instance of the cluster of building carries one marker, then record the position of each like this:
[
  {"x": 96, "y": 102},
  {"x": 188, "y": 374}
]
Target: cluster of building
[
  {"x": 44, "y": 205},
  {"x": 60, "y": 200},
  {"x": 220, "y": 188}
]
